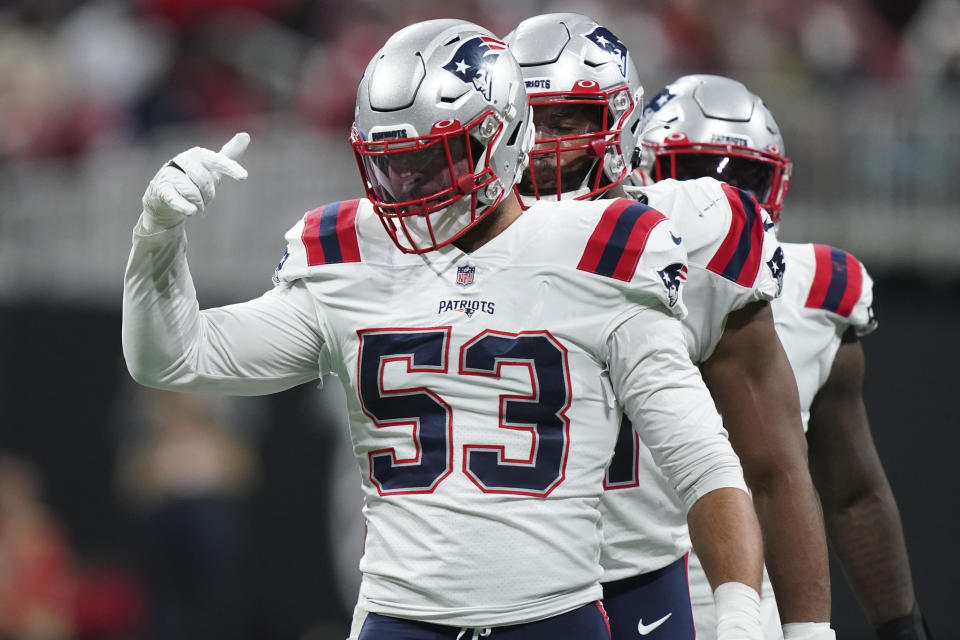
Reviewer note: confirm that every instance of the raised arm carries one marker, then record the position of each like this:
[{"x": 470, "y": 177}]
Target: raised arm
[
  {"x": 261, "y": 346},
  {"x": 861, "y": 515},
  {"x": 752, "y": 383}
]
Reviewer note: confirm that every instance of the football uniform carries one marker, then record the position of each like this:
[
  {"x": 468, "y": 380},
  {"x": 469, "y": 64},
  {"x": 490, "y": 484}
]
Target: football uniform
[
  {"x": 733, "y": 259},
  {"x": 484, "y": 390},
  {"x": 825, "y": 292}
]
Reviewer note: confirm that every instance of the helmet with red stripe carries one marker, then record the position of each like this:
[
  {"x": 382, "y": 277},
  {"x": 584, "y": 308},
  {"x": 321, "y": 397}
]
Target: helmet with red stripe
[
  {"x": 586, "y": 98},
  {"x": 442, "y": 131},
  {"x": 704, "y": 125}
]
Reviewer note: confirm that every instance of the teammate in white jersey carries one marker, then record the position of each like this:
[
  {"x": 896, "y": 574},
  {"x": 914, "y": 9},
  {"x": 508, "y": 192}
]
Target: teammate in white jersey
[
  {"x": 704, "y": 125},
  {"x": 586, "y": 98},
  {"x": 488, "y": 355}
]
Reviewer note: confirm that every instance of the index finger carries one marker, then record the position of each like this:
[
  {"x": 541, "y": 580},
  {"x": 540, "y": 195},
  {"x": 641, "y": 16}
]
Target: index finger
[{"x": 236, "y": 145}]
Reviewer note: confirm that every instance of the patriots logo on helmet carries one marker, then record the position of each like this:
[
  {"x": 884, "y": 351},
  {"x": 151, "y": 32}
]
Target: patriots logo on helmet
[
  {"x": 656, "y": 102},
  {"x": 777, "y": 266},
  {"x": 473, "y": 62},
  {"x": 673, "y": 277},
  {"x": 604, "y": 38}
]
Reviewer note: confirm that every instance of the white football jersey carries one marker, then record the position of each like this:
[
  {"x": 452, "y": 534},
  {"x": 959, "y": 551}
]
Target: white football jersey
[
  {"x": 733, "y": 258},
  {"x": 826, "y": 292},
  {"x": 484, "y": 390}
]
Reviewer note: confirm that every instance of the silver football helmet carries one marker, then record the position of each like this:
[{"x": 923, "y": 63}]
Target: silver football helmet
[
  {"x": 442, "y": 131},
  {"x": 586, "y": 97},
  {"x": 704, "y": 125}
]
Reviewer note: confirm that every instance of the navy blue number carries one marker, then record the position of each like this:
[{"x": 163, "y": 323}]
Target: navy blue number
[
  {"x": 622, "y": 471},
  {"x": 541, "y": 413},
  {"x": 429, "y": 416}
]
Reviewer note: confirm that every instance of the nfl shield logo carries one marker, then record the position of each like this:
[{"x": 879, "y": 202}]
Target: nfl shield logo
[{"x": 465, "y": 275}]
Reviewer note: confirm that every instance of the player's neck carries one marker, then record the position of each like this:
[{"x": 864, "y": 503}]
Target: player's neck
[
  {"x": 615, "y": 192},
  {"x": 492, "y": 225}
]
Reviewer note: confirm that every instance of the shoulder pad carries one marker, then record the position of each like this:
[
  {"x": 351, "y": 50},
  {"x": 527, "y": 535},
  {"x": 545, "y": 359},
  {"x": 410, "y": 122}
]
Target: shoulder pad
[
  {"x": 329, "y": 234},
  {"x": 324, "y": 236},
  {"x": 619, "y": 238},
  {"x": 634, "y": 243},
  {"x": 739, "y": 256},
  {"x": 841, "y": 285}
]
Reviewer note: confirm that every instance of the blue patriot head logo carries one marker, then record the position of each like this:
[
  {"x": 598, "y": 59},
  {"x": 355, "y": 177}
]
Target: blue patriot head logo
[
  {"x": 604, "y": 38},
  {"x": 673, "y": 276},
  {"x": 658, "y": 101},
  {"x": 777, "y": 266},
  {"x": 465, "y": 275},
  {"x": 473, "y": 63}
]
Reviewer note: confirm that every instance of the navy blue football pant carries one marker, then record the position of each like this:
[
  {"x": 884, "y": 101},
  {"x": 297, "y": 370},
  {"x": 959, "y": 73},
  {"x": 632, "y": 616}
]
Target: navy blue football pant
[
  {"x": 652, "y": 606},
  {"x": 588, "y": 622}
]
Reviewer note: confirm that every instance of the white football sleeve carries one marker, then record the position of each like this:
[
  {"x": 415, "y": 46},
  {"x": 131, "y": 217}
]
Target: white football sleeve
[
  {"x": 665, "y": 397},
  {"x": 262, "y": 346}
]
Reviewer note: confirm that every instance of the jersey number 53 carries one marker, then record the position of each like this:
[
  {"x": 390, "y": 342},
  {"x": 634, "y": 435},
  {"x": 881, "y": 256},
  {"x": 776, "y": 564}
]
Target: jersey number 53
[{"x": 541, "y": 413}]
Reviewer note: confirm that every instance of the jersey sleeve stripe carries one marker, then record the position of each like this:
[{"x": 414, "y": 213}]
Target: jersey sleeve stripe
[
  {"x": 837, "y": 281},
  {"x": 617, "y": 242},
  {"x": 854, "y": 286},
  {"x": 329, "y": 235},
  {"x": 738, "y": 258}
]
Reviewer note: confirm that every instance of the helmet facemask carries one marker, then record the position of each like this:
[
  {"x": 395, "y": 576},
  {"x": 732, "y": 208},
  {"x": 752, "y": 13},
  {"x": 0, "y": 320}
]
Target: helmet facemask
[
  {"x": 765, "y": 174},
  {"x": 577, "y": 154},
  {"x": 428, "y": 190}
]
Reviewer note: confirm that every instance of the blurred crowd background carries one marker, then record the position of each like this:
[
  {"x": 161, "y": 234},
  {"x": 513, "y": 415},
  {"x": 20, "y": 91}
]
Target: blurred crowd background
[{"x": 132, "y": 514}]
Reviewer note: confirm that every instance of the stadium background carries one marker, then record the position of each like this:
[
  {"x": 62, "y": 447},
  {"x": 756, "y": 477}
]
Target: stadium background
[{"x": 247, "y": 524}]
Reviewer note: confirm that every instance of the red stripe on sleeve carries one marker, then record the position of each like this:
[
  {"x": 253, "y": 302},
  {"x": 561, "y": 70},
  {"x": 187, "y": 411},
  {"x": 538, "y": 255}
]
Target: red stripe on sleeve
[
  {"x": 751, "y": 267},
  {"x": 311, "y": 237},
  {"x": 627, "y": 265},
  {"x": 854, "y": 287},
  {"x": 728, "y": 247},
  {"x": 601, "y": 236},
  {"x": 347, "y": 231},
  {"x": 821, "y": 278}
]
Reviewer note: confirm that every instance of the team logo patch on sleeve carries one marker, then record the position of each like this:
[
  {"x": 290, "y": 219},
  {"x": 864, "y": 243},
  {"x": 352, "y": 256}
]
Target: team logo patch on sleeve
[
  {"x": 777, "y": 266},
  {"x": 739, "y": 256},
  {"x": 837, "y": 282},
  {"x": 329, "y": 235},
  {"x": 473, "y": 63},
  {"x": 673, "y": 277},
  {"x": 618, "y": 240}
]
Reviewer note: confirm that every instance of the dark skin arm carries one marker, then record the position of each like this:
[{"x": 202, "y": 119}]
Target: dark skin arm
[
  {"x": 862, "y": 519},
  {"x": 753, "y": 386}
]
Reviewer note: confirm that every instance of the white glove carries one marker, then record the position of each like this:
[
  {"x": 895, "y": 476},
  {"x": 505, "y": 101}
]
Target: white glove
[{"x": 187, "y": 184}]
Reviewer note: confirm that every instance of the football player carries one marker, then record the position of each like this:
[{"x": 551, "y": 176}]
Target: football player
[
  {"x": 586, "y": 99},
  {"x": 704, "y": 125},
  {"x": 486, "y": 353}
]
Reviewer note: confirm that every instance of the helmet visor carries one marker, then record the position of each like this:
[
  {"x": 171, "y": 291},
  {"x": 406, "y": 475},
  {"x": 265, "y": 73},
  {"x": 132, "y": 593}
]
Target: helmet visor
[
  {"x": 415, "y": 171},
  {"x": 754, "y": 175}
]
